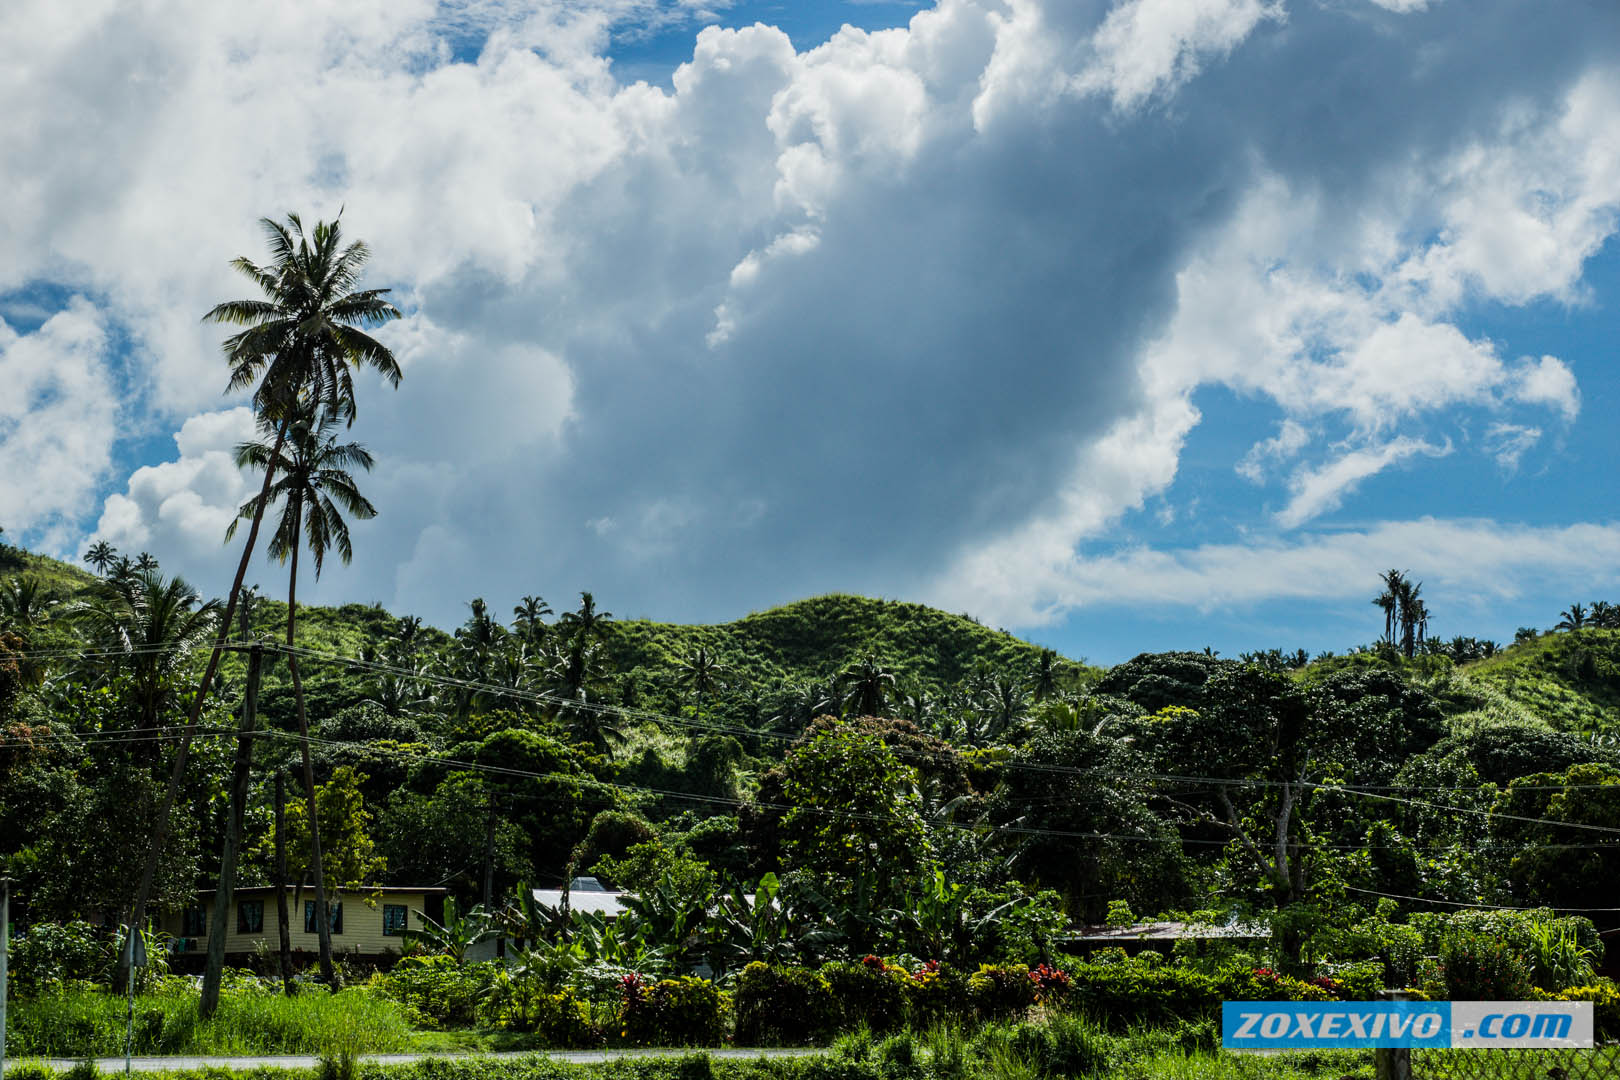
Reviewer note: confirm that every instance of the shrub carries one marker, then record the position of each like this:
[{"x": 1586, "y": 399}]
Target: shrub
[
  {"x": 869, "y": 993},
  {"x": 438, "y": 993},
  {"x": 671, "y": 1012},
  {"x": 1480, "y": 968},
  {"x": 1605, "y": 999},
  {"x": 783, "y": 1006},
  {"x": 1124, "y": 995},
  {"x": 1001, "y": 991},
  {"x": 937, "y": 993},
  {"x": 48, "y": 956}
]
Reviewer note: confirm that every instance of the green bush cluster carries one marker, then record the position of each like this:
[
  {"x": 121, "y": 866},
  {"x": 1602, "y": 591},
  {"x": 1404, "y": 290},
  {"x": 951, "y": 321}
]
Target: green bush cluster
[{"x": 672, "y": 1012}]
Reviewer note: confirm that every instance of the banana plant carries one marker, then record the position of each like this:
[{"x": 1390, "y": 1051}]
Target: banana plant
[{"x": 456, "y": 934}]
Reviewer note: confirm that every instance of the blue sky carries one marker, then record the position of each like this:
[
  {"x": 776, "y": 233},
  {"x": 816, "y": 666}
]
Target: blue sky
[{"x": 1126, "y": 325}]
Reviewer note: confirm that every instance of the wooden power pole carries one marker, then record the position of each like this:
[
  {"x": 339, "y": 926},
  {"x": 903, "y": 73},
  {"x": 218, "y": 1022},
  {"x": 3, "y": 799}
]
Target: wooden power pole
[{"x": 240, "y": 774}]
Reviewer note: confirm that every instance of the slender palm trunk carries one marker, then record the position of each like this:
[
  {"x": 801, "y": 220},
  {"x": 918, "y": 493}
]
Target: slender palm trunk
[
  {"x": 323, "y": 917},
  {"x": 283, "y": 924},
  {"x": 160, "y": 827}
]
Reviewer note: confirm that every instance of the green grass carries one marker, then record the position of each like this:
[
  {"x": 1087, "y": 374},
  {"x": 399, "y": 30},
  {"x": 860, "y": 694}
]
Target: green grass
[
  {"x": 89, "y": 1023},
  {"x": 1568, "y": 680}
]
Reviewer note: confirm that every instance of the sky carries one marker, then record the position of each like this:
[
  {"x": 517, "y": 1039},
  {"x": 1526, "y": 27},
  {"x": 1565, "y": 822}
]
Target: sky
[{"x": 1122, "y": 324}]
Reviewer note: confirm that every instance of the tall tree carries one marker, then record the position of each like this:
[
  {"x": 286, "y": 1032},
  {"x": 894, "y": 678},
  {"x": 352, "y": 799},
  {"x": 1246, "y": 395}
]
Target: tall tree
[
  {"x": 867, "y": 684},
  {"x": 301, "y": 340},
  {"x": 1573, "y": 617},
  {"x": 702, "y": 672},
  {"x": 529, "y": 620},
  {"x": 314, "y": 491},
  {"x": 101, "y": 555},
  {"x": 150, "y": 624},
  {"x": 587, "y": 623}
]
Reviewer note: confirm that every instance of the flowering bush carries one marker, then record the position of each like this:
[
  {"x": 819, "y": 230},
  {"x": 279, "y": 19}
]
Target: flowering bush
[
  {"x": 671, "y": 1012},
  {"x": 1000, "y": 991},
  {"x": 938, "y": 993},
  {"x": 783, "y": 1006},
  {"x": 1480, "y": 968},
  {"x": 1051, "y": 985},
  {"x": 868, "y": 993}
]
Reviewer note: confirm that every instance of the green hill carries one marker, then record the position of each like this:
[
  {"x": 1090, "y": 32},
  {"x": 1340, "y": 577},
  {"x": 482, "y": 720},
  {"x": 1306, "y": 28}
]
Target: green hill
[
  {"x": 1570, "y": 680},
  {"x": 818, "y": 637}
]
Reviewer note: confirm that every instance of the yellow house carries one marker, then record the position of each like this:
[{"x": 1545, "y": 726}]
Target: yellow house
[{"x": 365, "y": 922}]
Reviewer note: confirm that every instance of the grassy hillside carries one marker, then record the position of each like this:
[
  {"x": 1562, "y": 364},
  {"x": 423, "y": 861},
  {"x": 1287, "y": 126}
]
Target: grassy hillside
[
  {"x": 1570, "y": 680},
  {"x": 818, "y": 637},
  {"x": 810, "y": 639}
]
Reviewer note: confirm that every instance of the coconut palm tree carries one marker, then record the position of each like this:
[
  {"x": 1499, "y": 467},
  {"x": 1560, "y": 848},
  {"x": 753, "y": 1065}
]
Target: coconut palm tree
[
  {"x": 867, "y": 684},
  {"x": 315, "y": 490},
  {"x": 1573, "y": 618},
  {"x": 301, "y": 340},
  {"x": 101, "y": 555},
  {"x": 146, "y": 561},
  {"x": 1604, "y": 616},
  {"x": 1414, "y": 617},
  {"x": 151, "y": 625},
  {"x": 529, "y": 619},
  {"x": 587, "y": 622},
  {"x": 25, "y": 602},
  {"x": 1389, "y": 601},
  {"x": 702, "y": 672}
]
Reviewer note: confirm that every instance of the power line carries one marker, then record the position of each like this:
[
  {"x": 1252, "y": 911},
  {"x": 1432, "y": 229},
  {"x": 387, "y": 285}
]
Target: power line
[{"x": 1483, "y": 907}]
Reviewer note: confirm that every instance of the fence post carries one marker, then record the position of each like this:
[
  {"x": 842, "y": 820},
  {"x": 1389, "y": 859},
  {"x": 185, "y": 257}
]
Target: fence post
[
  {"x": 1392, "y": 1063},
  {"x": 5, "y": 948}
]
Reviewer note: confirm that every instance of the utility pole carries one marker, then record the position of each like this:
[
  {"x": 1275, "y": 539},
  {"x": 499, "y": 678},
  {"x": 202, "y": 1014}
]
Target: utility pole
[
  {"x": 283, "y": 925},
  {"x": 5, "y": 948},
  {"x": 240, "y": 775},
  {"x": 489, "y": 874}
]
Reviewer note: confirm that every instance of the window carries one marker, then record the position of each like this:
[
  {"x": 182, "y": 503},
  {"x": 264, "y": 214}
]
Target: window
[
  {"x": 337, "y": 916},
  {"x": 395, "y": 918},
  {"x": 194, "y": 921},
  {"x": 250, "y": 917}
]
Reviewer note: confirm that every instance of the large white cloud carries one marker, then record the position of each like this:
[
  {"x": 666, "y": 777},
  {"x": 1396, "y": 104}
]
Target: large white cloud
[
  {"x": 59, "y": 410},
  {"x": 916, "y": 311}
]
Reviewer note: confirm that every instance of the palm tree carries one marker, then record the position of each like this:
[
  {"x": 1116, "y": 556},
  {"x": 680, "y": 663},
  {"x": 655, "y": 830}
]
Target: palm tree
[
  {"x": 101, "y": 556},
  {"x": 1414, "y": 616},
  {"x": 1604, "y": 616},
  {"x": 1573, "y": 618},
  {"x": 1044, "y": 679},
  {"x": 703, "y": 672},
  {"x": 151, "y": 624},
  {"x": 302, "y": 340},
  {"x": 314, "y": 491},
  {"x": 587, "y": 622},
  {"x": 866, "y": 684},
  {"x": 146, "y": 561},
  {"x": 25, "y": 602},
  {"x": 1389, "y": 601},
  {"x": 528, "y": 619}
]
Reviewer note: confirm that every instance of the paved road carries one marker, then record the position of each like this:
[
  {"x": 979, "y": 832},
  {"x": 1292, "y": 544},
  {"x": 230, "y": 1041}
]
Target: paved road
[{"x": 306, "y": 1061}]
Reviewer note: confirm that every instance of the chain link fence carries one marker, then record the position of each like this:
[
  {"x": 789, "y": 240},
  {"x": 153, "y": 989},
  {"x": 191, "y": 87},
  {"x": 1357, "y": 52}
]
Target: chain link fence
[{"x": 1601, "y": 1063}]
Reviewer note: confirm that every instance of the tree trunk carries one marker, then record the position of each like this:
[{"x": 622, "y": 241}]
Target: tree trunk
[
  {"x": 323, "y": 917},
  {"x": 240, "y": 775},
  {"x": 283, "y": 924},
  {"x": 160, "y": 828}
]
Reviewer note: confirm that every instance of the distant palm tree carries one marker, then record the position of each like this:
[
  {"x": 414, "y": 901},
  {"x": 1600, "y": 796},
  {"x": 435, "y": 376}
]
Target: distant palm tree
[
  {"x": 1406, "y": 617},
  {"x": 315, "y": 490},
  {"x": 101, "y": 556},
  {"x": 867, "y": 684},
  {"x": 122, "y": 567},
  {"x": 702, "y": 672},
  {"x": 1604, "y": 616},
  {"x": 146, "y": 561},
  {"x": 587, "y": 622},
  {"x": 151, "y": 625},
  {"x": 1574, "y": 618},
  {"x": 528, "y": 619},
  {"x": 1389, "y": 602},
  {"x": 1044, "y": 679}
]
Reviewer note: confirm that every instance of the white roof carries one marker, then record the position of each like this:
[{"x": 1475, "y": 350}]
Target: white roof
[{"x": 598, "y": 900}]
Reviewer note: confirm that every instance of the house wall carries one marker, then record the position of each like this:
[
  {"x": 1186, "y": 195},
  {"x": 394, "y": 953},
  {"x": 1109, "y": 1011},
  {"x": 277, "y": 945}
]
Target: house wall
[{"x": 362, "y": 923}]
